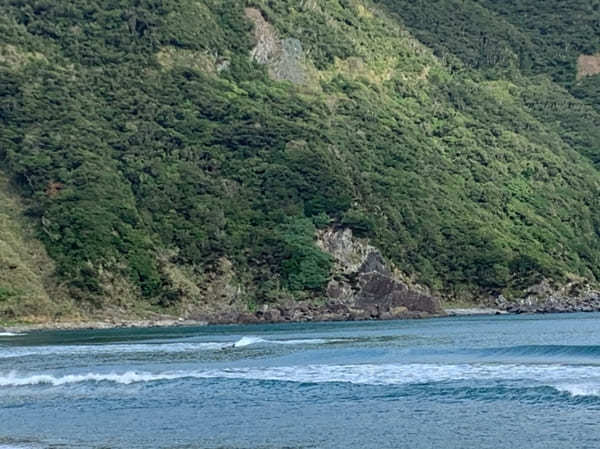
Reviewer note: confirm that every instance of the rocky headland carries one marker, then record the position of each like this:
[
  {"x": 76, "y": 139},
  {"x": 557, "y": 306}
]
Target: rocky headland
[{"x": 363, "y": 287}]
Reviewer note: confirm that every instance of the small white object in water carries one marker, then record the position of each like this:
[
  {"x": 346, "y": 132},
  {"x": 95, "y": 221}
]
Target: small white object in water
[{"x": 247, "y": 341}]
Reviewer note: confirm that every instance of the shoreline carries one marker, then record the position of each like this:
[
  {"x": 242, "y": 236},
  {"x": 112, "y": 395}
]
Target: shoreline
[
  {"x": 474, "y": 311},
  {"x": 101, "y": 325},
  {"x": 180, "y": 322}
]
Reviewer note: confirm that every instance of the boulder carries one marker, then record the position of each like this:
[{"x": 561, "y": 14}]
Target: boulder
[
  {"x": 387, "y": 293},
  {"x": 272, "y": 315}
]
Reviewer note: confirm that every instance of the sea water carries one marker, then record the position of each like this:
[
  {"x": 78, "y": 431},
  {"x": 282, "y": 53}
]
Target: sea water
[{"x": 464, "y": 382}]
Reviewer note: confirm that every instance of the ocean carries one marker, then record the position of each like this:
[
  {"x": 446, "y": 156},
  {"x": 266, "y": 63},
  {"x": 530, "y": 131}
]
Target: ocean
[{"x": 526, "y": 381}]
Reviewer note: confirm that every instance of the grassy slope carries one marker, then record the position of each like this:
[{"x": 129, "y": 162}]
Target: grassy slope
[
  {"x": 146, "y": 170},
  {"x": 27, "y": 290}
]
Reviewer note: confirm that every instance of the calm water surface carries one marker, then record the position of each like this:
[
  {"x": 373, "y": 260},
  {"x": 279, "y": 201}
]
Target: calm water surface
[{"x": 470, "y": 382}]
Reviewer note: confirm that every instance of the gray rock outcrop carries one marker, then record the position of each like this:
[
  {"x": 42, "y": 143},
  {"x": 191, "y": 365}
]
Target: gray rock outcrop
[
  {"x": 364, "y": 283},
  {"x": 283, "y": 57},
  {"x": 545, "y": 297}
]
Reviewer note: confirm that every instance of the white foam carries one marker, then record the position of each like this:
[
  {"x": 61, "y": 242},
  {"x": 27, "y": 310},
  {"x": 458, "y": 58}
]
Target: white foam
[
  {"x": 311, "y": 341},
  {"x": 247, "y": 341},
  {"x": 391, "y": 374},
  {"x": 579, "y": 389},
  {"x": 177, "y": 347},
  {"x": 13, "y": 380},
  {"x": 22, "y": 351},
  {"x": 10, "y": 334},
  {"x": 388, "y": 374}
]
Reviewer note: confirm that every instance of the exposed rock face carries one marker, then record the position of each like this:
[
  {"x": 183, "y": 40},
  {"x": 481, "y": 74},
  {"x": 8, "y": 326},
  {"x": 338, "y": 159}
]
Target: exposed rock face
[
  {"x": 365, "y": 285},
  {"x": 388, "y": 294},
  {"x": 284, "y": 57},
  {"x": 348, "y": 253},
  {"x": 267, "y": 43},
  {"x": 363, "y": 288}
]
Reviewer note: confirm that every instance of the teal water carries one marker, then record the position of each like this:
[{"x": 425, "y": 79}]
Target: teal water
[{"x": 466, "y": 382}]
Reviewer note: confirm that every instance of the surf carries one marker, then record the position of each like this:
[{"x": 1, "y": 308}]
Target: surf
[
  {"x": 577, "y": 380},
  {"x": 175, "y": 347}
]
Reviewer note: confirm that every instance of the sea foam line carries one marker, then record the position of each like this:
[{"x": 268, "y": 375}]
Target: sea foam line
[
  {"x": 563, "y": 378},
  {"x": 13, "y": 380},
  {"x": 176, "y": 347}
]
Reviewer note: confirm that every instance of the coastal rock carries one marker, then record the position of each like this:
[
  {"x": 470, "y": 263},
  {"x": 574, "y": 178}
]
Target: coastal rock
[
  {"x": 248, "y": 318},
  {"x": 348, "y": 253},
  {"x": 363, "y": 287},
  {"x": 339, "y": 290},
  {"x": 388, "y": 294},
  {"x": 272, "y": 315},
  {"x": 545, "y": 297},
  {"x": 374, "y": 262},
  {"x": 366, "y": 285}
]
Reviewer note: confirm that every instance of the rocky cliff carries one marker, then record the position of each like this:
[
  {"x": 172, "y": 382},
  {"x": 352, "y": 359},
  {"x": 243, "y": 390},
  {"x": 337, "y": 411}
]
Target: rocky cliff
[{"x": 364, "y": 283}]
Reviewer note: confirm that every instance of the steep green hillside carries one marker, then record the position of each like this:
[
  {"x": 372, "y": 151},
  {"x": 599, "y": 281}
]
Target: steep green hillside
[
  {"x": 516, "y": 38},
  {"x": 26, "y": 282},
  {"x": 168, "y": 151}
]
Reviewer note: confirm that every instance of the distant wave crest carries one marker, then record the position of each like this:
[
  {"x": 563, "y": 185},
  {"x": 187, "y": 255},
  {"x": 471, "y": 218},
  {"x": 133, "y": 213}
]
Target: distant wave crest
[
  {"x": 14, "y": 380},
  {"x": 546, "y": 351},
  {"x": 176, "y": 347}
]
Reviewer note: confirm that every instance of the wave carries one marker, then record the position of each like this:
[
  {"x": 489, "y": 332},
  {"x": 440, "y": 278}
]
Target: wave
[
  {"x": 247, "y": 341},
  {"x": 585, "y": 389},
  {"x": 24, "y": 351},
  {"x": 577, "y": 380},
  {"x": 550, "y": 351},
  {"x": 176, "y": 347},
  {"x": 11, "y": 334},
  {"x": 13, "y": 380}
]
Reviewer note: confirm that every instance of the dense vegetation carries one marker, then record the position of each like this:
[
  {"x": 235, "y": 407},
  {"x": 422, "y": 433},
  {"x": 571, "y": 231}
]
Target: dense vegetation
[{"x": 142, "y": 136}]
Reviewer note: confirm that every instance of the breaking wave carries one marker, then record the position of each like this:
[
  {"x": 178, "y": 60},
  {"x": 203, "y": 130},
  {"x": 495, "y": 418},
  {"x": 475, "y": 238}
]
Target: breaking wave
[
  {"x": 585, "y": 389},
  {"x": 575, "y": 380},
  {"x": 179, "y": 347},
  {"x": 247, "y": 341},
  {"x": 13, "y": 380}
]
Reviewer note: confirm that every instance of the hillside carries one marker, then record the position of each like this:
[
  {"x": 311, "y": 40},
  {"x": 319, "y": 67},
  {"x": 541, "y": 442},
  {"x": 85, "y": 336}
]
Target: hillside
[{"x": 208, "y": 158}]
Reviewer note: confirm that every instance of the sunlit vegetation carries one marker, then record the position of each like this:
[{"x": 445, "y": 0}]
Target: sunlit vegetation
[{"x": 130, "y": 128}]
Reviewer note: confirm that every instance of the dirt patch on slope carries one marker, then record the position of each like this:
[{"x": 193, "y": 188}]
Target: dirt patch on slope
[{"x": 588, "y": 65}]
